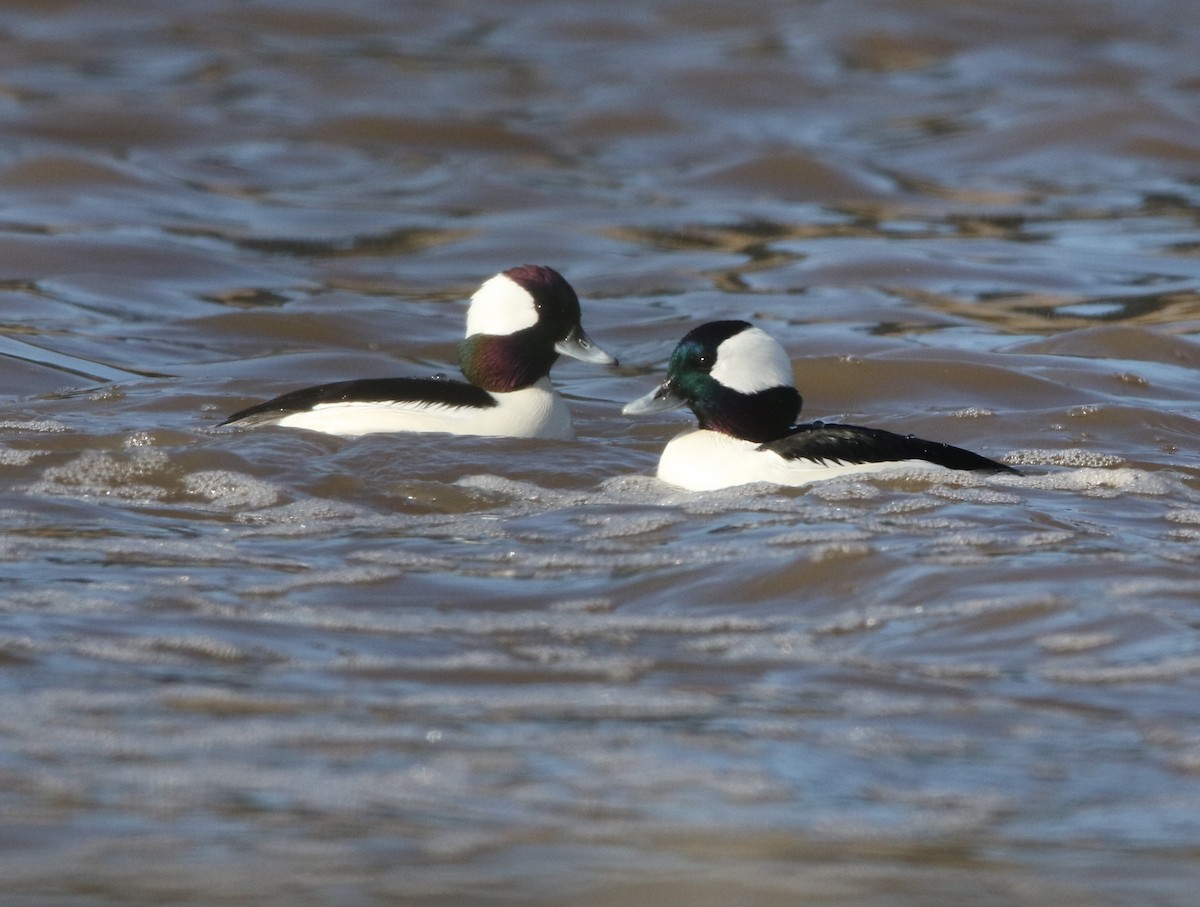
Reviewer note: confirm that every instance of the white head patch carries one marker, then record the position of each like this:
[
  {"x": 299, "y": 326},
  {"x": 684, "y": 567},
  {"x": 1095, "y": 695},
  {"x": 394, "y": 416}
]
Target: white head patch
[
  {"x": 500, "y": 306},
  {"x": 752, "y": 361}
]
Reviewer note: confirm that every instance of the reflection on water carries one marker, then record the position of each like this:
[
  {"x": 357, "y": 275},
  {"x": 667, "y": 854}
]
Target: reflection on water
[{"x": 273, "y": 665}]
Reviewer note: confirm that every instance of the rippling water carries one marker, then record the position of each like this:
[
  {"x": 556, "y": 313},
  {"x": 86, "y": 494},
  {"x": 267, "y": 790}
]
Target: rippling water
[{"x": 276, "y": 667}]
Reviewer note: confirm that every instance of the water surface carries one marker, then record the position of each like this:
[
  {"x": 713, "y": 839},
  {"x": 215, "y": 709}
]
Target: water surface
[{"x": 277, "y": 667}]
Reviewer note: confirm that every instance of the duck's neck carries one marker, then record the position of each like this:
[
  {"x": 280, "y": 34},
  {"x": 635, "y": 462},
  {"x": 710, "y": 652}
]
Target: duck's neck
[
  {"x": 762, "y": 416},
  {"x": 500, "y": 363}
]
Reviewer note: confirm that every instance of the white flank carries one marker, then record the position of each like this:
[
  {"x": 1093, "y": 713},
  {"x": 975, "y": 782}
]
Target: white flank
[
  {"x": 500, "y": 306},
  {"x": 702, "y": 460},
  {"x": 532, "y": 412},
  {"x": 752, "y": 361}
]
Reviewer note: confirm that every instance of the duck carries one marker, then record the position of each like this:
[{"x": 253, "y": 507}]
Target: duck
[
  {"x": 518, "y": 323},
  {"x": 737, "y": 381}
]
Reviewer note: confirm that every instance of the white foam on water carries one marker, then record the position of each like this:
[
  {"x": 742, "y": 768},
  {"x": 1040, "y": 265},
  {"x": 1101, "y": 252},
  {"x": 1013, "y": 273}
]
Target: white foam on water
[
  {"x": 139, "y": 439},
  {"x": 60, "y": 599},
  {"x": 973, "y": 494},
  {"x": 635, "y": 489},
  {"x": 1062, "y": 457},
  {"x": 96, "y": 474},
  {"x": 10, "y": 456},
  {"x": 622, "y": 525},
  {"x": 225, "y": 489},
  {"x": 838, "y": 552},
  {"x": 1182, "y": 535},
  {"x": 911, "y": 503},
  {"x": 1106, "y": 482},
  {"x": 936, "y": 523},
  {"x": 48, "y": 426},
  {"x": 848, "y": 489},
  {"x": 1042, "y": 538},
  {"x": 515, "y": 488},
  {"x": 321, "y": 516}
]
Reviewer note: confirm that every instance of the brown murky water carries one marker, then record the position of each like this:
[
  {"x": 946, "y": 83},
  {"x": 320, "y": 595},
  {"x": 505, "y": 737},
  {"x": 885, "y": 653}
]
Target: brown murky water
[{"x": 275, "y": 667}]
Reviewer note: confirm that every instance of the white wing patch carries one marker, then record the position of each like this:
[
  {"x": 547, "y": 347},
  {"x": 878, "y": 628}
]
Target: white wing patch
[
  {"x": 500, "y": 306},
  {"x": 752, "y": 361}
]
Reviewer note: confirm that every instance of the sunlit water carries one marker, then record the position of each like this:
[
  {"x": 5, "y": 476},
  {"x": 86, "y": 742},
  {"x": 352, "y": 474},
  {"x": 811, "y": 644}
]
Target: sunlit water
[{"x": 277, "y": 667}]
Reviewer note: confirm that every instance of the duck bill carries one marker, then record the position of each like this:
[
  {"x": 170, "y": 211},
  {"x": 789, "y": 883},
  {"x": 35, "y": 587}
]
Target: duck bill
[
  {"x": 578, "y": 345},
  {"x": 659, "y": 400}
]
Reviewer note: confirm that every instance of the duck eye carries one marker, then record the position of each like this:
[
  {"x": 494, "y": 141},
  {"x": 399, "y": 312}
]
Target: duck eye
[{"x": 705, "y": 361}]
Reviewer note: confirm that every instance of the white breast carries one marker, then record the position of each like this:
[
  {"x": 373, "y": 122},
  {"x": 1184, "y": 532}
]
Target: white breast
[
  {"x": 532, "y": 412},
  {"x": 701, "y": 460}
]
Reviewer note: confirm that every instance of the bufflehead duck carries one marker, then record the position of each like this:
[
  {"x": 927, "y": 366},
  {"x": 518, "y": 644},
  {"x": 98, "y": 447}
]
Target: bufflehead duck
[
  {"x": 518, "y": 323},
  {"x": 737, "y": 380}
]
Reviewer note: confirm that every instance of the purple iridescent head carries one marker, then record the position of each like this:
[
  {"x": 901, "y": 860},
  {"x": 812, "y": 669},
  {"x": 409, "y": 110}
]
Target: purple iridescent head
[{"x": 518, "y": 324}]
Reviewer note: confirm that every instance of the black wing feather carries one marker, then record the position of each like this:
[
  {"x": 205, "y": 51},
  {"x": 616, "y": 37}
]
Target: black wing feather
[
  {"x": 369, "y": 390},
  {"x": 829, "y": 443}
]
